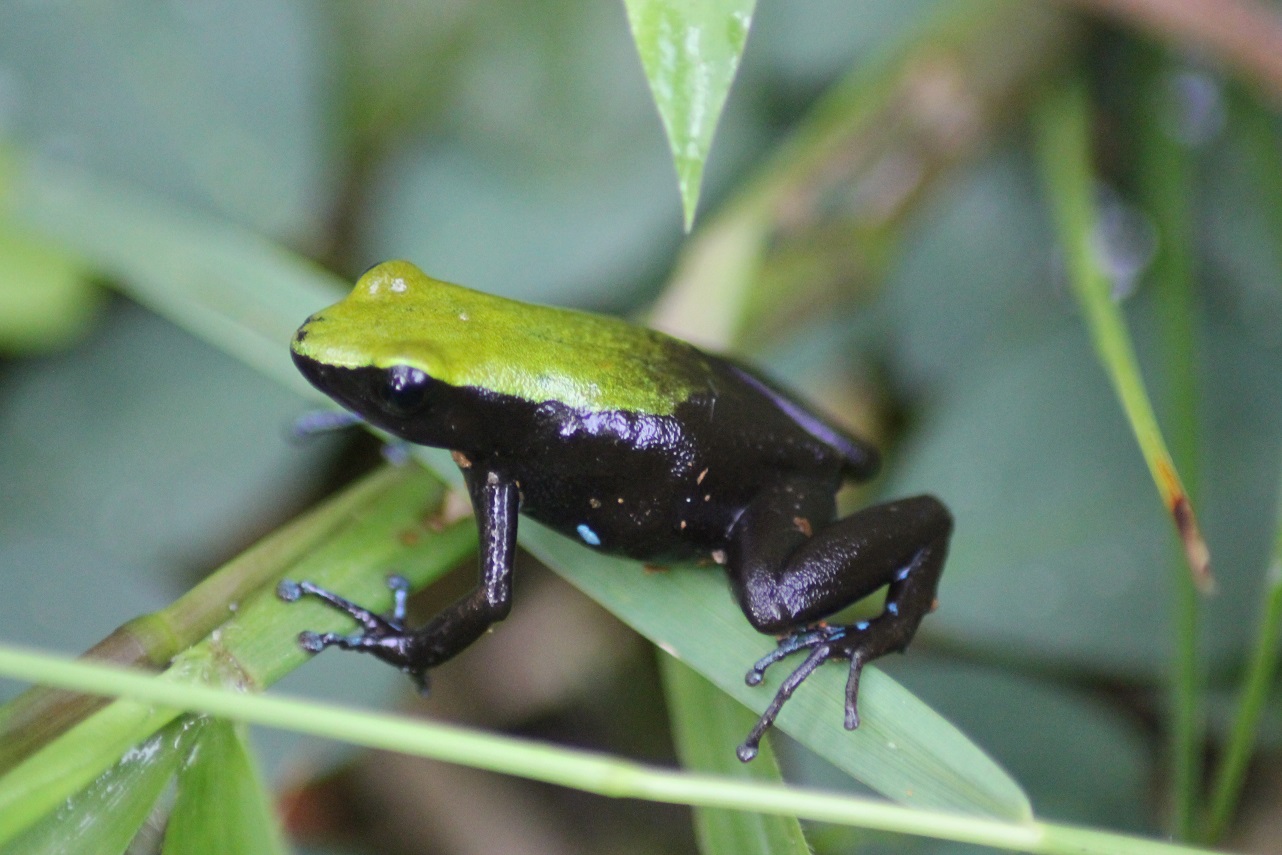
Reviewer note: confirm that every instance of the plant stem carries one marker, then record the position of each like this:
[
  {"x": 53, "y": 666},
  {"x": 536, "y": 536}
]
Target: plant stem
[
  {"x": 1164, "y": 167},
  {"x": 1262, "y": 141},
  {"x": 1064, "y": 148},
  {"x": 1256, "y": 687},
  {"x": 581, "y": 770}
]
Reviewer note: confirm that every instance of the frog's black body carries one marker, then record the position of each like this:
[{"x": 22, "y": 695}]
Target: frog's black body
[
  {"x": 645, "y": 486},
  {"x": 739, "y": 471}
]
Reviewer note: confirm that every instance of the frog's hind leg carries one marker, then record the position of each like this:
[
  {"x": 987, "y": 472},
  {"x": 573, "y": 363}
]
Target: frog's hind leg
[{"x": 786, "y": 579}]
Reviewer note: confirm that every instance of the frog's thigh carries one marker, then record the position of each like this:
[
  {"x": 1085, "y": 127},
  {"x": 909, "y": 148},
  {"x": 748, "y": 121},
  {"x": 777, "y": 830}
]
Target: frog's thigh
[{"x": 784, "y": 578}]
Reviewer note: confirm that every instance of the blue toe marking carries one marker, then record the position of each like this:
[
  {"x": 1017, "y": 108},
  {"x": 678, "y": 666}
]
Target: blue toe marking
[
  {"x": 862, "y": 625},
  {"x": 589, "y": 536},
  {"x": 892, "y": 608}
]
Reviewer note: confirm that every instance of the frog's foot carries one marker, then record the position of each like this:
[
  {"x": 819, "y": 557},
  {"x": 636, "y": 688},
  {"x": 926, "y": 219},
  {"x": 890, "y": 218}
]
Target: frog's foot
[
  {"x": 316, "y": 422},
  {"x": 384, "y": 636},
  {"x": 852, "y": 643}
]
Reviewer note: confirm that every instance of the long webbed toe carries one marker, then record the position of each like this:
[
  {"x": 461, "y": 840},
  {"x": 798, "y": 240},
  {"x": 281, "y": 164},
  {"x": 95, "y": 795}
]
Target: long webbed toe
[
  {"x": 379, "y": 630},
  {"x": 824, "y": 643}
]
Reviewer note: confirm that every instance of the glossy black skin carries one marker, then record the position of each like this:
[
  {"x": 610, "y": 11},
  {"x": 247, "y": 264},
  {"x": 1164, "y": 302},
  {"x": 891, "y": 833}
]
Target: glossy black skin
[{"x": 744, "y": 474}]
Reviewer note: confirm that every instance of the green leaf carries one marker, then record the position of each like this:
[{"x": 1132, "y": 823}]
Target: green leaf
[
  {"x": 393, "y": 528},
  {"x": 226, "y": 284},
  {"x": 706, "y": 723},
  {"x": 903, "y": 749},
  {"x": 46, "y": 300},
  {"x": 246, "y": 296},
  {"x": 221, "y": 806},
  {"x": 104, "y": 817},
  {"x": 690, "y": 51}
]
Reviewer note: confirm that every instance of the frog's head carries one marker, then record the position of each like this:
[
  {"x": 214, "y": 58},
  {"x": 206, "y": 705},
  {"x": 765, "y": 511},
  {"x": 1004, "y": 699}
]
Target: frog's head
[
  {"x": 383, "y": 352},
  {"x": 396, "y": 315}
]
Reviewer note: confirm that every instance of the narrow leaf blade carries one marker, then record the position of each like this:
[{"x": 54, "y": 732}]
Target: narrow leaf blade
[
  {"x": 104, "y": 817},
  {"x": 706, "y": 724},
  {"x": 690, "y": 52},
  {"x": 903, "y": 749},
  {"x": 221, "y": 806}
]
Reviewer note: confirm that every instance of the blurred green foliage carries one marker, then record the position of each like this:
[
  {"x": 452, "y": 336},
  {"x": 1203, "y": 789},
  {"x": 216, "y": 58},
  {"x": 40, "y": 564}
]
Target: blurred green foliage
[{"x": 514, "y": 147}]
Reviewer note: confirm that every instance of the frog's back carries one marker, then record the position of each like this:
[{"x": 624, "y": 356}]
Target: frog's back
[
  {"x": 790, "y": 422},
  {"x": 670, "y": 486},
  {"x": 536, "y": 353}
]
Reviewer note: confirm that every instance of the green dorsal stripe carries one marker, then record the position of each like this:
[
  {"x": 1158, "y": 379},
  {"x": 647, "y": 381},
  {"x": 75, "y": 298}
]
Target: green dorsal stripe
[{"x": 397, "y": 315}]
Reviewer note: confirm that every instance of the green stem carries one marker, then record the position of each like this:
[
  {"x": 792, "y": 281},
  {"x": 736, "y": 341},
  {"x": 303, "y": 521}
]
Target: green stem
[
  {"x": 1261, "y": 138},
  {"x": 1064, "y": 144},
  {"x": 1164, "y": 182},
  {"x": 1255, "y": 695},
  {"x": 581, "y": 770}
]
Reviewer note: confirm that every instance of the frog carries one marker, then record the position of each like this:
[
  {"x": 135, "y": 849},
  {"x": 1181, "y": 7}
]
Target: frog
[{"x": 633, "y": 443}]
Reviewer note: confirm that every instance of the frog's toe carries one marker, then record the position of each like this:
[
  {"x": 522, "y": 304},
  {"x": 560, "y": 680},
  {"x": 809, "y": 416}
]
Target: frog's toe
[
  {"x": 857, "y": 662},
  {"x": 421, "y": 680},
  {"x": 316, "y": 422},
  {"x": 315, "y": 642},
  {"x": 823, "y": 642},
  {"x": 820, "y": 653},
  {"x": 312, "y": 642},
  {"x": 802, "y": 639},
  {"x": 863, "y": 642},
  {"x": 372, "y": 623}
]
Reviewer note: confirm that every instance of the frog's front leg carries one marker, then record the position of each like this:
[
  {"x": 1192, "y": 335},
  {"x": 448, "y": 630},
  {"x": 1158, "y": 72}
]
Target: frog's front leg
[
  {"x": 496, "y": 501},
  {"x": 790, "y": 567}
]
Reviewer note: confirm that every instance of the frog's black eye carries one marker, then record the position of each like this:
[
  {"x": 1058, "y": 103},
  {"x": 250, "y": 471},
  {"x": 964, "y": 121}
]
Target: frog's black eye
[{"x": 405, "y": 391}]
